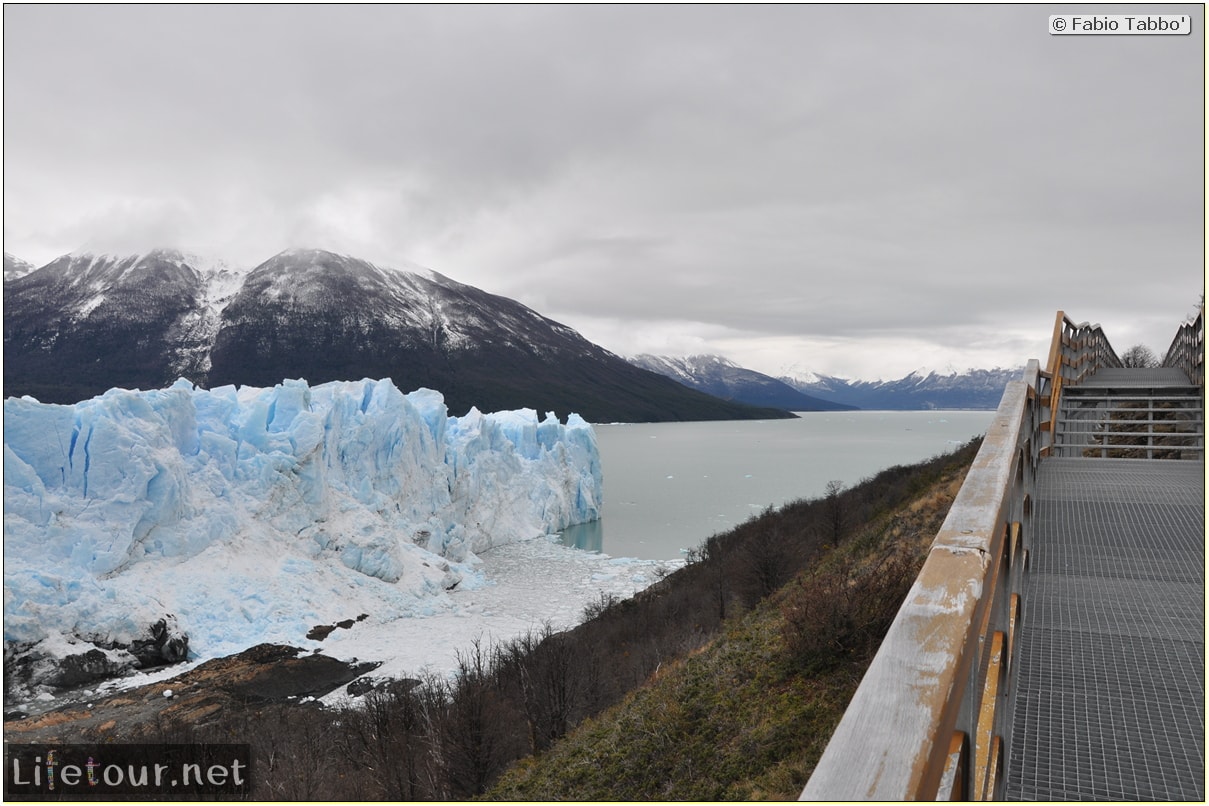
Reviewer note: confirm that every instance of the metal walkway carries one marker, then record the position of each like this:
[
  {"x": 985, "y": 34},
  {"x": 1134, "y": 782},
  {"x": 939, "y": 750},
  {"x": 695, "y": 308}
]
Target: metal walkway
[
  {"x": 1053, "y": 645},
  {"x": 1110, "y": 689},
  {"x": 1122, "y": 378}
]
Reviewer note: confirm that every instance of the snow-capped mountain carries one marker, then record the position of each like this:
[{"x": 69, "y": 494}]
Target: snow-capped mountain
[
  {"x": 85, "y": 323},
  {"x": 972, "y": 389},
  {"x": 722, "y": 378},
  {"x": 15, "y": 267}
]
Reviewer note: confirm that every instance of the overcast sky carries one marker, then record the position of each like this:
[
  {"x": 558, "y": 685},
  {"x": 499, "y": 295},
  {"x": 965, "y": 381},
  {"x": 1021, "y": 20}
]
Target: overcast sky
[{"x": 856, "y": 190}]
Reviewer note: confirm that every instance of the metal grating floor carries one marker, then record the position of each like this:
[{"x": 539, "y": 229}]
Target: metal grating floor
[
  {"x": 1110, "y": 677},
  {"x": 1135, "y": 378}
]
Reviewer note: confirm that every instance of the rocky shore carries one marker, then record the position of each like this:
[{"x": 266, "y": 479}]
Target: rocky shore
[{"x": 263, "y": 674}]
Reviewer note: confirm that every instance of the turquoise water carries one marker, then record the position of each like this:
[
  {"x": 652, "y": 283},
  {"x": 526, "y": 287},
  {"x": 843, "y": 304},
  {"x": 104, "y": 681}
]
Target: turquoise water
[{"x": 669, "y": 486}]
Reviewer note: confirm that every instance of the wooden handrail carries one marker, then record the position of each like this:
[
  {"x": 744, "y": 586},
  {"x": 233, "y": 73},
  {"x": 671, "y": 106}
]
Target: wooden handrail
[
  {"x": 1053, "y": 368},
  {"x": 1075, "y": 352},
  {"x": 929, "y": 712},
  {"x": 1061, "y": 322}
]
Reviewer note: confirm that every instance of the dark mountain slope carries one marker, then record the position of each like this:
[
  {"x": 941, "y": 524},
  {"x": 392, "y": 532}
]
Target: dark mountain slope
[
  {"x": 327, "y": 317},
  {"x": 86, "y": 323}
]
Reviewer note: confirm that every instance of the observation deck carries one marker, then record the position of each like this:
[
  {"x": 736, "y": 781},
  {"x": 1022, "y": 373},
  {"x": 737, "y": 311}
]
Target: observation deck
[{"x": 1052, "y": 647}]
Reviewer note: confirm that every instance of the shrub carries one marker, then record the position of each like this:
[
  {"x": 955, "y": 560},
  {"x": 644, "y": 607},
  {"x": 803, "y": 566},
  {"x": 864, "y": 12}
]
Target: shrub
[{"x": 842, "y": 611}]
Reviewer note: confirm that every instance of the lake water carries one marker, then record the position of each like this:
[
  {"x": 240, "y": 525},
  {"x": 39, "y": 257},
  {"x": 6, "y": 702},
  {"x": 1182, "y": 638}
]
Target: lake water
[{"x": 669, "y": 486}]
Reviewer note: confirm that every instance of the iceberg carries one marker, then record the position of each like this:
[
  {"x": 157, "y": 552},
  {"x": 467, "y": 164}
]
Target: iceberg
[{"x": 246, "y": 515}]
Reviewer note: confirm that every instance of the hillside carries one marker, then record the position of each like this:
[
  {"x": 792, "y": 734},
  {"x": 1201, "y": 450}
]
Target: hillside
[{"x": 746, "y": 716}]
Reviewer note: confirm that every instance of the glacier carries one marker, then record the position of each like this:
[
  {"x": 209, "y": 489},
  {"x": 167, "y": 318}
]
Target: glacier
[{"x": 245, "y": 515}]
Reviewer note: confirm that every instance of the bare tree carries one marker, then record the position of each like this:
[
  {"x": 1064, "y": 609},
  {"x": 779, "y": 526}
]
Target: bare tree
[
  {"x": 836, "y": 514},
  {"x": 391, "y": 735},
  {"x": 764, "y": 559},
  {"x": 1139, "y": 356},
  {"x": 476, "y": 726},
  {"x": 547, "y": 668},
  {"x": 714, "y": 554}
]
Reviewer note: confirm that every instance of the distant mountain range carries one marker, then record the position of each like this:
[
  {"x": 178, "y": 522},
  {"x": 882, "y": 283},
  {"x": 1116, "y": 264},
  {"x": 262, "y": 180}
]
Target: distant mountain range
[
  {"x": 85, "y": 323},
  {"x": 803, "y": 391},
  {"x": 722, "y": 378},
  {"x": 972, "y": 389}
]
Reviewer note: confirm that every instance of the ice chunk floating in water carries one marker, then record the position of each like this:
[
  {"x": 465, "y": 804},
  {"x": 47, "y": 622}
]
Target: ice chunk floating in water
[{"x": 253, "y": 514}]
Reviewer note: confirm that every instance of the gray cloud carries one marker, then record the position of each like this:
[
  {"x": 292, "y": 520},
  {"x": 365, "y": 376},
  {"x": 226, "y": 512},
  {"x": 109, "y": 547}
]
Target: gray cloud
[{"x": 831, "y": 186}]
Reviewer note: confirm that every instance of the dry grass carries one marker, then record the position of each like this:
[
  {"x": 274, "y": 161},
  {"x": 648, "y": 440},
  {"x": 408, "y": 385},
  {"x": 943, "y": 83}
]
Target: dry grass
[{"x": 747, "y": 716}]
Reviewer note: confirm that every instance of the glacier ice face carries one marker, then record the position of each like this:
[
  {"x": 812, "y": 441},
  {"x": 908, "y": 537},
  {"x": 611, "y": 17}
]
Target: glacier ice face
[{"x": 253, "y": 514}]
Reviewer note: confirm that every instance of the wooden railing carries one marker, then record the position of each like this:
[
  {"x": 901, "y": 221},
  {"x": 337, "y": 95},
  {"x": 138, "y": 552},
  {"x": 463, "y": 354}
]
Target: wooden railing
[
  {"x": 929, "y": 720},
  {"x": 1075, "y": 352},
  {"x": 1187, "y": 351}
]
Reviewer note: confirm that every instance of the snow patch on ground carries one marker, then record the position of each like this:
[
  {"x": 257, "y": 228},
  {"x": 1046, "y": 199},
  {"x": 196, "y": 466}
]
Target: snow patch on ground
[
  {"x": 521, "y": 587},
  {"x": 526, "y": 585}
]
